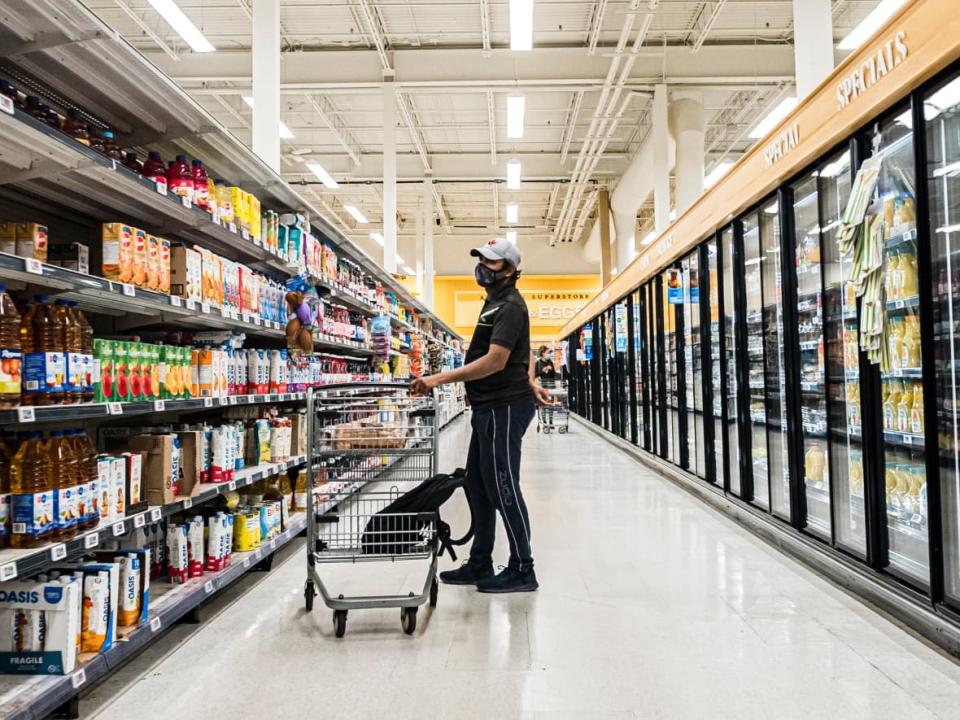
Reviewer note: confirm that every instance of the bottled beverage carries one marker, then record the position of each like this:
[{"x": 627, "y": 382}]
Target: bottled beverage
[
  {"x": 10, "y": 351},
  {"x": 41, "y": 340},
  {"x": 11, "y": 92},
  {"x": 916, "y": 411},
  {"x": 63, "y": 472},
  {"x": 180, "y": 178},
  {"x": 6, "y": 456},
  {"x": 131, "y": 161},
  {"x": 904, "y": 408},
  {"x": 110, "y": 148},
  {"x": 200, "y": 187},
  {"x": 52, "y": 118},
  {"x": 890, "y": 405},
  {"x": 86, "y": 352},
  {"x": 76, "y": 127},
  {"x": 910, "y": 348},
  {"x": 154, "y": 169},
  {"x": 31, "y": 493},
  {"x": 69, "y": 333},
  {"x": 96, "y": 141},
  {"x": 35, "y": 108},
  {"x": 212, "y": 205},
  {"x": 88, "y": 514}
]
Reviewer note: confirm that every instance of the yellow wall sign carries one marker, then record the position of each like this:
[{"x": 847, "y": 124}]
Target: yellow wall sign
[{"x": 545, "y": 307}]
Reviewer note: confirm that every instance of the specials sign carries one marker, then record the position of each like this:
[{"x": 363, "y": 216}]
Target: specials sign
[
  {"x": 781, "y": 145},
  {"x": 872, "y": 70}
]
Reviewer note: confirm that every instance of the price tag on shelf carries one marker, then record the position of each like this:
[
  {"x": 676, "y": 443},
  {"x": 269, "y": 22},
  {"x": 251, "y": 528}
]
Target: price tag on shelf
[
  {"x": 246, "y": 563},
  {"x": 6, "y": 104},
  {"x": 257, "y": 554},
  {"x": 119, "y": 528},
  {"x": 185, "y": 201},
  {"x": 78, "y": 678},
  {"x": 205, "y": 308},
  {"x": 33, "y": 266},
  {"x": 245, "y": 233},
  {"x": 128, "y": 289},
  {"x": 8, "y": 571},
  {"x": 162, "y": 188},
  {"x": 257, "y": 320},
  {"x": 208, "y": 587},
  {"x": 140, "y": 520},
  {"x": 91, "y": 540},
  {"x": 272, "y": 544},
  {"x": 187, "y": 503},
  {"x": 58, "y": 552},
  {"x": 208, "y": 402},
  {"x": 231, "y": 399},
  {"x": 907, "y": 440},
  {"x": 224, "y": 312},
  {"x": 917, "y": 519},
  {"x": 156, "y": 514},
  {"x": 115, "y": 408},
  {"x": 231, "y": 486},
  {"x": 155, "y": 625},
  {"x": 248, "y": 317},
  {"x": 159, "y": 405},
  {"x": 898, "y": 304},
  {"x": 191, "y": 304},
  {"x": 26, "y": 414},
  {"x": 176, "y": 301}
]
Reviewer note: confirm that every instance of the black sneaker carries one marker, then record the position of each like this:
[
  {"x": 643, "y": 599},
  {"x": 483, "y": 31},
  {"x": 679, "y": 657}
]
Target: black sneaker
[
  {"x": 509, "y": 581},
  {"x": 467, "y": 574}
]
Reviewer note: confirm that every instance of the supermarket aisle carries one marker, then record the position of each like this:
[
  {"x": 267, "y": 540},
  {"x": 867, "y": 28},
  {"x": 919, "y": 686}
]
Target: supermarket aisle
[{"x": 651, "y": 606}]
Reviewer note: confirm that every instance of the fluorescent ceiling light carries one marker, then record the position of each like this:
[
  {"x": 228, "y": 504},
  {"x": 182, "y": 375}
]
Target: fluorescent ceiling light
[
  {"x": 181, "y": 23},
  {"x": 515, "y": 110},
  {"x": 408, "y": 270},
  {"x": 513, "y": 212},
  {"x": 322, "y": 175},
  {"x": 356, "y": 214},
  {"x": 377, "y": 237},
  {"x": 512, "y": 236},
  {"x": 870, "y": 24},
  {"x": 783, "y": 108},
  {"x": 648, "y": 240},
  {"x": 285, "y": 133},
  {"x": 719, "y": 170},
  {"x": 521, "y": 24},
  {"x": 513, "y": 175}
]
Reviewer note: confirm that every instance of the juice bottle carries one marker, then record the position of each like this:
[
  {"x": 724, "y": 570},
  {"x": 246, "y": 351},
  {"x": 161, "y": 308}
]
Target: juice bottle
[
  {"x": 75, "y": 126},
  {"x": 90, "y": 453},
  {"x": 853, "y": 405},
  {"x": 180, "y": 178},
  {"x": 910, "y": 350},
  {"x": 10, "y": 351},
  {"x": 224, "y": 202},
  {"x": 5, "y": 458},
  {"x": 41, "y": 338},
  {"x": 87, "y": 471},
  {"x": 890, "y": 404},
  {"x": 31, "y": 493},
  {"x": 69, "y": 331},
  {"x": 212, "y": 205},
  {"x": 96, "y": 141},
  {"x": 110, "y": 148},
  {"x": 895, "y": 342},
  {"x": 154, "y": 169},
  {"x": 131, "y": 161},
  {"x": 86, "y": 352},
  {"x": 63, "y": 472},
  {"x": 904, "y": 408},
  {"x": 916, "y": 411},
  {"x": 201, "y": 188}
]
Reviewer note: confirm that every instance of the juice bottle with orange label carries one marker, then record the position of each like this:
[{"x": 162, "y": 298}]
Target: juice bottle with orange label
[{"x": 10, "y": 351}]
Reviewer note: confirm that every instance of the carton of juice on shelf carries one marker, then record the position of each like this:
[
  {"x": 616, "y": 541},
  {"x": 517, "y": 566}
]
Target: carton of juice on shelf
[
  {"x": 105, "y": 486},
  {"x": 8, "y": 238},
  {"x": 177, "y": 553},
  {"x": 249, "y": 290},
  {"x": 139, "y": 258},
  {"x": 32, "y": 241},
  {"x": 231, "y": 284},
  {"x": 238, "y": 199},
  {"x": 121, "y": 362},
  {"x": 211, "y": 277},
  {"x": 117, "y": 248},
  {"x": 164, "y": 266},
  {"x": 118, "y": 488},
  {"x": 39, "y": 631},
  {"x": 136, "y": 499},
  {"x": 153, "y": 262},
  {"x": 186, "y": 268},
  {"x": 204, "y": 365},
  {"x": 254, "y": 218}
]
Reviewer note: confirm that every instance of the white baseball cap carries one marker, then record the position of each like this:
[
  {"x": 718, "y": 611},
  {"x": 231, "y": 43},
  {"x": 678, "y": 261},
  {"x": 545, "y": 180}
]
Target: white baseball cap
[{"x": 499, "y": 249}]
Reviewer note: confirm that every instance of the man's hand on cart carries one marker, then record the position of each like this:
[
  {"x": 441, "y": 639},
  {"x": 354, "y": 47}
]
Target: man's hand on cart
[
  {"x": 541, "y": 395},
  {"x": 425, "y": 385}
]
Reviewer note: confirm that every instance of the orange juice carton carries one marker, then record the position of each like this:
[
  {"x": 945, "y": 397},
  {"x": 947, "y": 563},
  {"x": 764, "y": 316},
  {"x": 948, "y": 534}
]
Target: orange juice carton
[
  {"x": 185, "y": 272},
  {"x": 231, "y": 284},
  {"x": 153, "y": 262},
  {"x": 117, "y": 241},
  {"x": 139, "y": 257},
  {"x": 32, "y": 241},
  {"x": 249, "y": 291},
  {"x": 164, "y": 266},
  {"x": 255, "y": 220},
  {"x": 136, "y": 499},
  {"x": 8, "y": 238},
  {"x": 211, "y": 277}
]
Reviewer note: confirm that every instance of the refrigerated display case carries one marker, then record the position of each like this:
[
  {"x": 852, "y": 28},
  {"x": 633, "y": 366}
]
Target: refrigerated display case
[
  {"x": 756, "y": 367},
  {"x": 692, "y": 366},
  {"x": 715, "y": 348},
  {"x": 732, "y": 386},
  {"x": 672, "y": 384}
]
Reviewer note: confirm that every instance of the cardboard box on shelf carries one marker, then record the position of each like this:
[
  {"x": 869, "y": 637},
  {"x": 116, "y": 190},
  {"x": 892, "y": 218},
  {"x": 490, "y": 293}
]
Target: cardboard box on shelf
[
  {"x": 72, "y": 256},
  {"x": 186, "y": 267},
  {"x": 39, "y": 627},
  {"x": 8, "y": 238},
  {"x": 160, "y": 466},
  {"x": 32, "y": 241}
]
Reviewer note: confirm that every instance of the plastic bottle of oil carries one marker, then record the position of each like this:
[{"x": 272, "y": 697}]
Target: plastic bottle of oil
[
  {"x": 68, "y": 330},
  {"x": 85, "y": 480},
  {"x": 89, "y": 452},
  {"x": 86, "y": 352},
  {"x": 31, "y": 493},
  {"x": 43, "y": 364},
  {"x": 63, "y": 472},
  {"x": 6, "y": 456},
  {"x": 10, "y": 351}
]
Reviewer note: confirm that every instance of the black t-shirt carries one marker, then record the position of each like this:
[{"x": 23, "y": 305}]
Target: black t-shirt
[
  {"x": 545, "y": 369},
  {"x": 503, "y": 321}
]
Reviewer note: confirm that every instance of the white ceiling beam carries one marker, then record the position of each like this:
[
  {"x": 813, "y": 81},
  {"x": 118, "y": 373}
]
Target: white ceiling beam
[
  {"x": 705, "y": 22},
  {"x": 147, "y": 30},
  {"x": 231, "y": 111},
  {"x": 485, "y": 26},
  {"x": 596, "y": 25},
  {"x": 492, "y": 128},
  {"x": 376, "y": 31},
  {"x": 327, "y": 111},
  {"x": 570, "y": 125},
  {"x": 408, "y": 112}
]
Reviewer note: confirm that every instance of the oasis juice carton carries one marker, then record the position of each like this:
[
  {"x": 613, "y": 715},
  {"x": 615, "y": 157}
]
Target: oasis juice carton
[
  {"x": 153, "y": 262},
  {"x": 117, "y": 245}
]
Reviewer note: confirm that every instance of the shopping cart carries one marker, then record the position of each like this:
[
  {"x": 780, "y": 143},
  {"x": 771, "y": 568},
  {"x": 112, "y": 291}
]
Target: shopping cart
[
  {"x": 556, "y": 416},
  {"x": 372, "y": 443}
]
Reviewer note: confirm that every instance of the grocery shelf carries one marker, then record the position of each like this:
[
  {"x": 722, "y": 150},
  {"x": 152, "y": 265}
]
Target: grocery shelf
[
  {"x": 88, "y": 411},
  {"x": 16, "y": 563},
  {"x": 901, "y": 438},
  {"x": 331, "y": 342},
  {"x": 907, "y": 303},
  {"x": 104, "y": 296}
]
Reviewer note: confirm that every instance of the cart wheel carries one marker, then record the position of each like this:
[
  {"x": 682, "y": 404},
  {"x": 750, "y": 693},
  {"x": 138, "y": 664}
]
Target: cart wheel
[
  {"x": 434, "y": 591},
  {"x": 563, "y": 431},
  {"x": 309, "y": 593},
  {"x": 339, "y": 622},
  {"x": 538, "y": 427},
  {"x": 408, "y": 619}
]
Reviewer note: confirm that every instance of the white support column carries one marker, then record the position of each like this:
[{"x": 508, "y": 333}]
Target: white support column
[
  {"x": 266, "y": 81},
  {"x": 626, "y": 234},
  {"x": 686, "y": 126},
  {"x": 427, "y": 207},
  {"x": 389, "y": 174},
  {"x": 812, "y": 43},
  {"x": 660, "y": 137}
]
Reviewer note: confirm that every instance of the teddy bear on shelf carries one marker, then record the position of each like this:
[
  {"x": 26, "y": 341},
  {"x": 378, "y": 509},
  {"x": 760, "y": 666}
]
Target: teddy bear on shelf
[{"x": 303, "y": 305}]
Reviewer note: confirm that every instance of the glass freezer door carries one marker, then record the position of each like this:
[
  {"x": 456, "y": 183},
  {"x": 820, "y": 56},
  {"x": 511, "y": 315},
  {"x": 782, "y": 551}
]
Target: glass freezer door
[
  {"x": 715, "y": 402},
  {"x": 756, "y": 369},
  {"x": 731, "y": 388},
  {"x": 672, "y": 384},
  {"x": 693, "y": 388}
]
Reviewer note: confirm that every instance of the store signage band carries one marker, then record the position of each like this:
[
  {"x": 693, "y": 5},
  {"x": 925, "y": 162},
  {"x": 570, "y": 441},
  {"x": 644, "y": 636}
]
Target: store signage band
[
  {"x": 781, "y": 145},
  {"x": 871, "y": 71}
]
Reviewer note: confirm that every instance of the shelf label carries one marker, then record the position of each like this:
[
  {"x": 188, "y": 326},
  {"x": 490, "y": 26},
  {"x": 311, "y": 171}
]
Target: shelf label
[
  {"x": 6, "y": 104},
  {"x": 115, "y": 408},
  {"x": 33, "y": 266},
  {"x": 898, "y": 304},
  {"x": 257, "y": 554},
  {"x": 246, "y": 563},
  {"x": 8, "y": 571},
  {"x": 155, "y": 625},
  {"x": 208, "y": 587},
  {"x": 257, "y": 320},
  {"x": 140, "y": 520},
  {"x": 119, "y": 528},
  {"x": 159, "y": 405},
  {"x": 231, "y": 400},
  {"x": 185, "y": 201},
  {"x": 191, "y": 304},
  {"x": 205, "y": 308},
  {"x": 224, "y": 312},
  {"x": 272, "y": 544},
  {"x": 162, "y": 188},
  {"x": 78, "y": 678},
  {"x": 188, "y": 503},
  {"x": 245, "y": 233},
  {"x": 907, "y": 440},
  {"x": 58, "y": 552},
  {"x": 128, "y": 289},
  {"x": 248, "y": 317},
  {"x": 232, "y": 227},
  {"x": 917, "y": 519},
  {"x": 156, "y": 514},
  {"x": 91, "y": 540},
  {"x": 208, "y": 402},
  {"x": 176, "y": 301},
  {"x": 231, "y": 486},
  {"x": 26, "y": 414}
]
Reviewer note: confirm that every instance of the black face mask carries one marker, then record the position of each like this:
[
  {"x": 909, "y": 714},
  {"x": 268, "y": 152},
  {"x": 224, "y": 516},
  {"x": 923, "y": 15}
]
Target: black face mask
[{"x": 486, "y": 277}]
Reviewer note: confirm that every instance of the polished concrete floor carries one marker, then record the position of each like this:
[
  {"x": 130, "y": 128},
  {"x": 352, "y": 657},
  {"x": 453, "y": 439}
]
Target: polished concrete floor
[{"x": 651, "y": 606}]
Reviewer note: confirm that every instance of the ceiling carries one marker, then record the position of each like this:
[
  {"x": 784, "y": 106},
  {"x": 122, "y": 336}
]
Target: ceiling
[{"x": 453, "y": 72}]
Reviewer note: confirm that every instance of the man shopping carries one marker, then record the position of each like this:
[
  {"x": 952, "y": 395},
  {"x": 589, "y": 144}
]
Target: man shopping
[{"x": 498, "y": 372}]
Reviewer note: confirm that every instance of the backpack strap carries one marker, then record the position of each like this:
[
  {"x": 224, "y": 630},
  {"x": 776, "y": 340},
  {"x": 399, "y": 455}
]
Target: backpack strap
[{"x": 443, "y": 535}]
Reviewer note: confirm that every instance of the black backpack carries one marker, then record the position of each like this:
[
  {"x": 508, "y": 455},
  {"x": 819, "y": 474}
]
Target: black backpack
[{"x": 394, "y": 530}]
